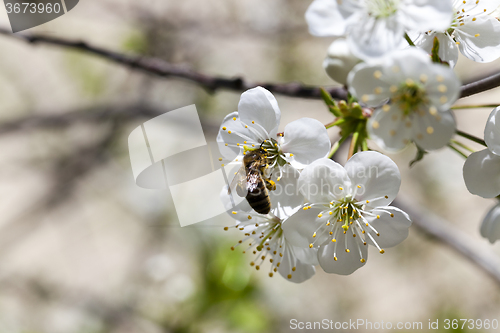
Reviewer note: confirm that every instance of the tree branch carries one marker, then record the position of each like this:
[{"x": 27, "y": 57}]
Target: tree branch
[
  {"x": 481, "y": 85},
  {"x": 95, "y": 114},
  {"x": 162, "y": 68},
  {"x": 442, "y": 230}
]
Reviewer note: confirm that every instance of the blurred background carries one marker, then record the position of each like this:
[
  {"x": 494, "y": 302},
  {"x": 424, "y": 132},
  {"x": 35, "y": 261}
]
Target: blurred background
[{"x": 84, "y": 250}]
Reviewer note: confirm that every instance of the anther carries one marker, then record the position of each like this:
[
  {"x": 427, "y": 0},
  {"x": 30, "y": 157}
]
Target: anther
[{"x": 382, "y": 251}]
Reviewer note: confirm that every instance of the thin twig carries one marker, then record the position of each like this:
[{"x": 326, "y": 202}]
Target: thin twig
[
  {"x": 481, "y": 85},
  {"x": 162, "y": 68},
  {"x": 211, "y": 83},
  {"x": 460, "y": 144},
  {"x": 432, "y": 225},
  {"x": 486, "y": 106},
  {"x": 455, "y": 149},
  {"x": 471, "y": 137}
]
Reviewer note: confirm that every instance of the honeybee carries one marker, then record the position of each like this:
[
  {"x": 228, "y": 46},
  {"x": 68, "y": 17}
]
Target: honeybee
[{"x": 251, "y": 181}]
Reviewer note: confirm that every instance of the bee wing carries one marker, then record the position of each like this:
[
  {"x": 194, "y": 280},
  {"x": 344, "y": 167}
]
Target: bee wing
[
  {"x": 253, "y": 179},
  {"x": 239, "y": 183}
]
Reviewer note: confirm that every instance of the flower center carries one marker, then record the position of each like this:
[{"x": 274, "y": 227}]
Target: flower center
[
  {"x": 382, "y": 8},
  {"x": 274, "y": 155},
  {"x": 347, "y": 217},
  {"x": 409, "y": 96},
  {"x": 345, "y": 211},
  {"x": 266, "y": 241}
]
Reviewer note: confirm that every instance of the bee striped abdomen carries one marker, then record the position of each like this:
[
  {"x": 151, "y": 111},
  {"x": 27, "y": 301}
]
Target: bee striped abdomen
[{"x": 258, "y": 198}]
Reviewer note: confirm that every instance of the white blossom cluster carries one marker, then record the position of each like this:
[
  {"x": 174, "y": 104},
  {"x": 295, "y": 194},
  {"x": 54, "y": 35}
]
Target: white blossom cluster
[
  {"x": 321, "y": 212},
  {"x": 396, "y": 60}
]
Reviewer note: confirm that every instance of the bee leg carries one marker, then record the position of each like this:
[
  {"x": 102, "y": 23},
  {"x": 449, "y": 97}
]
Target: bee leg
[{"x": 270, "y": 185}]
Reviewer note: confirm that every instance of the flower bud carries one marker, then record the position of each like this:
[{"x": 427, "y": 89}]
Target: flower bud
[{"x": 339, "y": 61}]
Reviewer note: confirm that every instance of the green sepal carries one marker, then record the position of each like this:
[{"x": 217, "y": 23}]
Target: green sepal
[
  {"x": 420, "y": 155},
  {"x": 330, "y": 102},
  {"x": 435, "y": 51}
]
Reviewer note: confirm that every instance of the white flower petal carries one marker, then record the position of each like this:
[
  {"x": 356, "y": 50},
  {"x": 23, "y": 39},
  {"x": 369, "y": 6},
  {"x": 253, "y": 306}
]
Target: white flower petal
[
  {"x": 259, "y": 105},
  {"x": 410, "y": 64},
  {"x": 492, "y": 131},
  {"x": 375, "y": 178},
  {"x": 424, "y": 15},
  {"x": 302, "y": 271},
  {"x": 472, "y": 8},
  {"x": 346, "y": 263},
  {"x": 433, "y": 131},
  {"x": 374, "y": 38},
  {"x": 448, "y": 50},
  {"x": 389, "y": 129},
  {"x": 233, "y": 134},
  {"x": 392, "y": 230},
  {"x": 286, "y": 193},
  {"x": 325, "y": 19},
  {"x": 486, "y": 46},
  {"x": 305, "y": 255},
  {"x": 307, "y": 139},
  {"x": 300, "y": 227},
  {"x": 481, "y": 174},
  {"x": 490, "y": 228},
  {"x": 323, "y": 181},
  {"x": 443, "y": 86},
  {"x": 362, "y": 82}
]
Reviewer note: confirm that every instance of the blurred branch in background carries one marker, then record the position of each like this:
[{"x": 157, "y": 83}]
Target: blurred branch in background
[
  {"x": 92, "y": 115},
  {"x": 442, "y": 230},
  {"x": 162, "y": 68}
]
